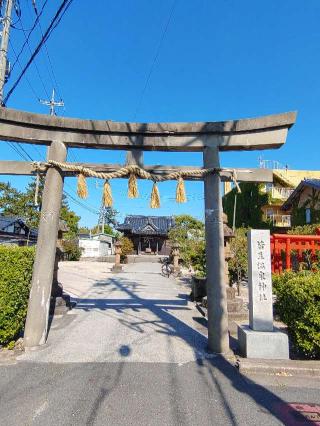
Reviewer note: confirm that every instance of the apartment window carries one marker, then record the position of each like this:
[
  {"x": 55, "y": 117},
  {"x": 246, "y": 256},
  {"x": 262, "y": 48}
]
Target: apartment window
[
  {"x": 269, "y": 187},
  {"x": 308, "y": 215},
  {"x": 269, "y": 213}
]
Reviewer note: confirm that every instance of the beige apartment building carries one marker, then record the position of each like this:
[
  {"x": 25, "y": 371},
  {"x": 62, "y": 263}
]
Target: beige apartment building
[{"x": 284, "y": 183}]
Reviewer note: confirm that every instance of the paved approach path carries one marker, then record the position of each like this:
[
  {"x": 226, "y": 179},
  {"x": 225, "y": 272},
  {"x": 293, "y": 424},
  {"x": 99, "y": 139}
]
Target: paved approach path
[
  {"x": 137, "y": 314},
  {"x": 131, "y": 353}
]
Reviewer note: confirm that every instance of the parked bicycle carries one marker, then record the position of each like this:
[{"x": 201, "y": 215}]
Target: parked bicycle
[{"x": 166, "y": 268}]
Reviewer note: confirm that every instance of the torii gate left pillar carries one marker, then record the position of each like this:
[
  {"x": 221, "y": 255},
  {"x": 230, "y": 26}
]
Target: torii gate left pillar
[{"x": 39, "y": 301}]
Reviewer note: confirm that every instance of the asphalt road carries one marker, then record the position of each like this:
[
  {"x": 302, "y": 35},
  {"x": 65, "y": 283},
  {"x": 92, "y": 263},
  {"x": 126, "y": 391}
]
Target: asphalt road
[
  {"x": 131, "y": 353},
  {"x": 124, "y": 393}
]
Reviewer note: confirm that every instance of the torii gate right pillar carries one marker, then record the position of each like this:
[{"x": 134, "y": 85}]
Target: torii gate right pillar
[{"x": 218, "y": 338}]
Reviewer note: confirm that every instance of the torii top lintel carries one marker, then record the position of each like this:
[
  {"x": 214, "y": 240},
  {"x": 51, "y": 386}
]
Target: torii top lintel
[{"x": 265, "y": 132}]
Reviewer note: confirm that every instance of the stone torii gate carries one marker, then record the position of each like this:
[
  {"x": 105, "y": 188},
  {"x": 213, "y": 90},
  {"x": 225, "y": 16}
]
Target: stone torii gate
[{"x": 208, "y": 137}]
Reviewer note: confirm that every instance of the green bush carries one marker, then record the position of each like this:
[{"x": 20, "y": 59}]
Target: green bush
[
  {"x": 198, "y": 260},
  {"x": 15, "y": 278},
  {"x": 126, "y": 248},
  {"x": 298, "y": 306},
  {"x": 238, "y": 264},
  {"x": 304, "y": 229},
  {"x": 188, "y": 232},
  {"x": 71, "y": 249}
]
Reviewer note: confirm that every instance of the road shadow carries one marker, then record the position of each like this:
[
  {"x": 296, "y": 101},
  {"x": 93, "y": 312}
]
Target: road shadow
[{"x": 212, "y": 368}]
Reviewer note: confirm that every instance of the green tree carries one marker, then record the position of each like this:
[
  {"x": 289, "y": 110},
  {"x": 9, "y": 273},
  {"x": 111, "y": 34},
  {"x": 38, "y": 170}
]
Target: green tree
[
  {"x": 84, "y": 230},
  {"x": 71, "y": 249},
  {"x": 126, "y": 248},
  {"x": 18, "y": 203},
  {"x": 71, "y": 219},
  {"x": 198, "y": 259},
  {"x": 238, "y": 264},
  {"x": 107, "y": 230},
  {"x": 189, "y": 233},
  {"x": 249, "y": 202},
  {"x": 110, "y": 216}
]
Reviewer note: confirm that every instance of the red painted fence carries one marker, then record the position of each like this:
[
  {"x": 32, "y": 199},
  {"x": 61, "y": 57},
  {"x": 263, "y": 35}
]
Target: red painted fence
[{"x": 288, "y": 249}]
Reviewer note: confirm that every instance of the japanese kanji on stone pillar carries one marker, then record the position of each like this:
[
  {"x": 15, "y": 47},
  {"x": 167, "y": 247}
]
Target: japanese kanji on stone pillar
[{"x": 261, "y": 339}]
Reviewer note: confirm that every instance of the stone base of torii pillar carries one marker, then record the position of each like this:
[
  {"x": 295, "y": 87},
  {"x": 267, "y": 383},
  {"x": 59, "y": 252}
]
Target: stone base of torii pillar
[
  {"x": 60, "y": 302},
  {"x": 234, "y": 303}
]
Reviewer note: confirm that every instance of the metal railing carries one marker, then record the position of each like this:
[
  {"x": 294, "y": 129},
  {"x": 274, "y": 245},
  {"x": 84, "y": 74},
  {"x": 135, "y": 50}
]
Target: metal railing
[
  {"x": 283, "y": 221},
  {"x": 280, "y": 192}
]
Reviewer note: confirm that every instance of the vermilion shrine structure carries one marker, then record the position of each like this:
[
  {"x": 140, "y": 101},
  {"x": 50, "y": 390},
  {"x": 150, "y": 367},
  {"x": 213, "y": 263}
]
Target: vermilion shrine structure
[
  {"x": 287, "y": 249},
  {"x": 210, "y": 138}
]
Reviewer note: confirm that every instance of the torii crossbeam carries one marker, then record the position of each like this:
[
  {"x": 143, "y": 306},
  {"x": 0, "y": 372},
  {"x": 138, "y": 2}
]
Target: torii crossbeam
[{"x": 266, "y": 132}]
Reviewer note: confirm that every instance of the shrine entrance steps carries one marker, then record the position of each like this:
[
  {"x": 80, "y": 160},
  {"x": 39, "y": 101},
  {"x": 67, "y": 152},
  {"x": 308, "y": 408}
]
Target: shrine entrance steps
[
  {"x": 145, "y": 258},
  {"x": 132, "y": 258}
]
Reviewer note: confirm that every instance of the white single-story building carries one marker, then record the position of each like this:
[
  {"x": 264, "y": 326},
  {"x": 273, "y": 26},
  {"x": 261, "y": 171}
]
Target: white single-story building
[{"x": 98, "y": 245}]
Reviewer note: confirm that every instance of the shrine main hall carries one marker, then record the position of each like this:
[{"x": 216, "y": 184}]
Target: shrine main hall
[{"x": 149, "y": 234}]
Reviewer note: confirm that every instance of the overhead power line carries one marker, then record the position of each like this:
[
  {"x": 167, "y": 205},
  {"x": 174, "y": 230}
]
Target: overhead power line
[
  {"x": 28, "y": 37},
  {"x": 32, "y": 9},
  {"x": 34, "y": 63},
  {"x": 15, "y": 148},
  {"x": 165, "y": 29},
  {"x": 20, "y": 65},
  {"x": 25, "y": 156},
  {"x": 54, "y": 23},
  {"x": 52, "y": 75}
]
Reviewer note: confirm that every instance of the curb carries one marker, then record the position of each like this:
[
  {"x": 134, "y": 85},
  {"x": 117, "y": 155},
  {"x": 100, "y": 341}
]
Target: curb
[{"x": 286, "y": 368}]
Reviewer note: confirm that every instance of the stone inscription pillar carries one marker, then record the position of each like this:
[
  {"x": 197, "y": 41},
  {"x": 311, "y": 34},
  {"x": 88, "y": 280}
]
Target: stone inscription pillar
[
  {"x": 39, "y": 300},
  {"x": 218, "y": 338},
  {"x": 260, "y": 285},
  {"x": 260, "y": 339}
]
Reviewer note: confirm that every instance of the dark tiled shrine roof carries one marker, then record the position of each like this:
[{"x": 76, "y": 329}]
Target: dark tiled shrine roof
[
  {"x": 6, "y": 221},
  {"x": 314, "y": 183},
  {"x": 146, "y": 225}
]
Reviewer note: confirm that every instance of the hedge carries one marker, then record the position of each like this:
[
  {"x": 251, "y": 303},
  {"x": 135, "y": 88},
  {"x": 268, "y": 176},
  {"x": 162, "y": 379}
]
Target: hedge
[
  {"x": 298, "y": 306},
  {"x": 15, "y": 278}
]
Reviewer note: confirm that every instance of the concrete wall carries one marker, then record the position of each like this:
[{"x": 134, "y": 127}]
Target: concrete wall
[{"x": 95, "y": 248}]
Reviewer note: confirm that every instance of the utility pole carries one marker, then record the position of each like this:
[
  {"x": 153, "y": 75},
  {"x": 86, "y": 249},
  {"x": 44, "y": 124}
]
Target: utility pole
[
  {"x": 102, "y": 218},
  {"x": 234, "y": 213},
  {"x": 52, "y": 103},
  {"x": 6, "y": 23},
  {"x": 103, "y": 221}
]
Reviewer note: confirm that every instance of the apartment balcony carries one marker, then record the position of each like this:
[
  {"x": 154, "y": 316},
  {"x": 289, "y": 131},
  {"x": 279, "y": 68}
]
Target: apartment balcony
[
  {"x": 280, "y": 220},
  {"x": 281, "y": 193},
  {"x": 278, "y": 192}
]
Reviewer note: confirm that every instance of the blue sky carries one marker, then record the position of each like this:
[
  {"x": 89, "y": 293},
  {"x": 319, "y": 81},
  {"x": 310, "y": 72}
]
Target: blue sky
[{"x": 217, "y": 60}]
